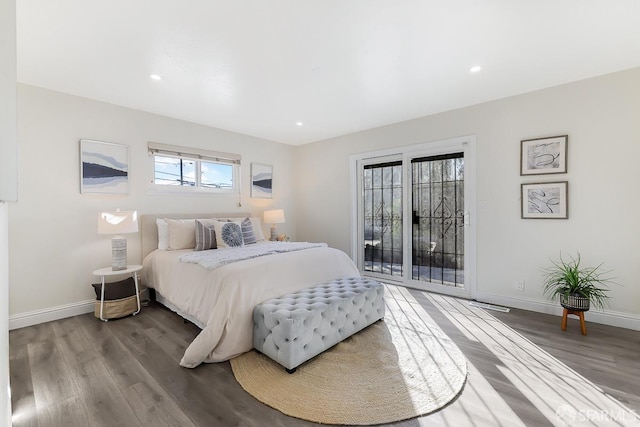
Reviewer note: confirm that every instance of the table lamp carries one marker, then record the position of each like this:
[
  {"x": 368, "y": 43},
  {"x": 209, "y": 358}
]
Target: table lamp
[
  {"x": 118, "y": 223},
  {"x": 274, "y": 217}
]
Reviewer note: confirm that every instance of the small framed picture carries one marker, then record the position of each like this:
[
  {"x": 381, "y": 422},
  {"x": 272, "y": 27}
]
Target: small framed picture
[
  {"x": 104, "y": 167},
  {"x": 543, "y": 155},
  {"x": 261, "y": 181},
  {"x": 545, "y": 200}
]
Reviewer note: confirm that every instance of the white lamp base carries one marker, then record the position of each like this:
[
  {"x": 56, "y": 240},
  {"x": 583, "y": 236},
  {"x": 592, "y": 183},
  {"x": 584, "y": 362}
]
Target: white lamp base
[
  {"x": 274, "y": 233},
  {"x": 118, "y": 253}
]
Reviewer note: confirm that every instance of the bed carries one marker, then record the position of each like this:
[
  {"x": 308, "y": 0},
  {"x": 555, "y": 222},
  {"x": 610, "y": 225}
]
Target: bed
[{"x": 221, "y": 300}]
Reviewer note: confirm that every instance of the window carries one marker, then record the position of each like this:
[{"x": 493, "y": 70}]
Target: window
[{"x": 205, "y": 170}]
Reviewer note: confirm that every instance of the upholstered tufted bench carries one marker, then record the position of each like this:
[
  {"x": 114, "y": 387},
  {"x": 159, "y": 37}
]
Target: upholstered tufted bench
[{"x": 293, "y": 328}]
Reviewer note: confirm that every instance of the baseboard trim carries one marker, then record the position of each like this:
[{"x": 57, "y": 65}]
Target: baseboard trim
[
  {"x": 49, "y": 314},
  {"x": 612, "y": 318}
]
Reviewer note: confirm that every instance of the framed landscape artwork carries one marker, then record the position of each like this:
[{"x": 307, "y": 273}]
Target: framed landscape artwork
[
  {"x": 104, "y": 167},
  {"x": 261, "y": 181},
  {"x": 545, "y": 200},
  {"x": 543, "y": 155}
]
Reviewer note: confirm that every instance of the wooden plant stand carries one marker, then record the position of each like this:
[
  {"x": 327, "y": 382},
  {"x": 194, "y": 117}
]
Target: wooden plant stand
[{"x": 580, "y": 314}]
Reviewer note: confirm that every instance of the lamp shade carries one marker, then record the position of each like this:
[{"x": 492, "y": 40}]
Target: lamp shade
[
  {"x": 118, "y": 222},
  {"x": 275, "y": 216}
]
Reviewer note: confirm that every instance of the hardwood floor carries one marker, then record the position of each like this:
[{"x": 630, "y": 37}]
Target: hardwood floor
[{"x": 83, "y": 372}]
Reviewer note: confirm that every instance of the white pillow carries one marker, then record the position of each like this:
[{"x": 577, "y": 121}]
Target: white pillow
[
  {"x": 163, "y": 234},
  {"x": 163, "y": 231},
  {"x": 182, "y": 233}
]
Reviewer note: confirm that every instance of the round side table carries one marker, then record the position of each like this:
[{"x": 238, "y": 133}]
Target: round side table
[{"x": 108, "y": 271}]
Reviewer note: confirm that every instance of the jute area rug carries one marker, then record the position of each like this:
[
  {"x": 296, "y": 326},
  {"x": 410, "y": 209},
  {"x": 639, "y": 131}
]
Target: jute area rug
[{"x": 398, "y": 368}]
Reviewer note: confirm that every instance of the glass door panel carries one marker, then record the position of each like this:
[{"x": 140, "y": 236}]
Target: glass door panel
[
  {"x": 382, "y": 218},
  {"x": 437, "y": 230}
]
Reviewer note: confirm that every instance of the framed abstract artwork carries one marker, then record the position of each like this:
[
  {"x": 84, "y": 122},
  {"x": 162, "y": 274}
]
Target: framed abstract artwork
[
  {"x": 104, "y": 167},
  {"x": 543, "y": 155},
  {"x": 545, "y": 200},
  {"x": 261, "y": 181}
]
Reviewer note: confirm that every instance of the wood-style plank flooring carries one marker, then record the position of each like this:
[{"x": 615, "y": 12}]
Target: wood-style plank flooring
[{"x": 83, "y": 372}]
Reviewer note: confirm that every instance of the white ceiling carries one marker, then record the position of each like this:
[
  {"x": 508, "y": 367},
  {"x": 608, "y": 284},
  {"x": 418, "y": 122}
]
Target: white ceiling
[{"x": 339, "y": 66}]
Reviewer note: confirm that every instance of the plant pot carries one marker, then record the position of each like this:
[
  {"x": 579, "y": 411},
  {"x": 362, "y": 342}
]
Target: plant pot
[{"x": 575, "y": 302}]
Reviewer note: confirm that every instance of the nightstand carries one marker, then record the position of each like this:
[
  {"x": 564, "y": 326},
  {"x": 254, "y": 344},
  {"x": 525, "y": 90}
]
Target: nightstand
[{"x": 108, "y": 271}]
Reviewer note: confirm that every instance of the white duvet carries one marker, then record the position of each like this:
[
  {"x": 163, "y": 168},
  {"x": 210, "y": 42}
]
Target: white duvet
[{"x": 222, "y": 299}]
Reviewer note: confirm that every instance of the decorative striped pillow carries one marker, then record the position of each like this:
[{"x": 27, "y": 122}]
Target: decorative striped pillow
[
  {"x": 248, "y": 235},
  {"x": 205, "y": 236}
]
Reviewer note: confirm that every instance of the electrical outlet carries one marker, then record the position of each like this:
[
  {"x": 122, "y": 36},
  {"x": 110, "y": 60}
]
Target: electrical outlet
[{"x": 519, "y": 285}]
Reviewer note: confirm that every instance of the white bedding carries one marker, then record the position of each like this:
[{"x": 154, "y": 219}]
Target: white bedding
[{"x": 223, "y": 298}]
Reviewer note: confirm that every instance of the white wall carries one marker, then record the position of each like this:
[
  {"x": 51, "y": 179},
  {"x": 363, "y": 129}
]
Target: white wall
[
  {"x": 8, "y": 184},
  {"x": 5, "y": 399},
  {"x": 54, "y": 246},
  {"x": 52, "y": 236},
  {"x": 8, "y": 141},
  {"x": 600, "y": 116}
]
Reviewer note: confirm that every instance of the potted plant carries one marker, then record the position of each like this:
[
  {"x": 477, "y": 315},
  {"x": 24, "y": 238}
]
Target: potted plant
[{"x": 575, "y": 286}]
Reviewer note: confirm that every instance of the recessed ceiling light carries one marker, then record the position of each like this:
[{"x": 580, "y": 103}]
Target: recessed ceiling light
[
  {"x": 156, "y": 77},
  {"x": 475, "y": 69},
  {"x": 299, "y": 123}
]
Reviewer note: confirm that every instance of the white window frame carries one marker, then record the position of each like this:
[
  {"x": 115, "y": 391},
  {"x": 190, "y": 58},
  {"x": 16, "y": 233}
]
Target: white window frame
[{"x": 196, "y": 155}]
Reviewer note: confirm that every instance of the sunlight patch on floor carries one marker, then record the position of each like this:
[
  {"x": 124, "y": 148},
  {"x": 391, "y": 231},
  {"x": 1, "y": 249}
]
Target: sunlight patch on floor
[
  {"x": 479, "y": 404},
  {"x": 558, "y": 392},
  {"x": 434, "y": 363}
]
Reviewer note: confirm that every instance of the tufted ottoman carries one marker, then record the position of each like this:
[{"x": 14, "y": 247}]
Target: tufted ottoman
[{"x": 293, "y": 328}]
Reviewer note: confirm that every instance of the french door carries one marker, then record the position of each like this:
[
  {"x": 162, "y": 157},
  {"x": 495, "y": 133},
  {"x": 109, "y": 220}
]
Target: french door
[
  {"x": 382, "y": 218},
  {"x": 438, "y": 219},
  {"x": 413, "y": 216}
]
